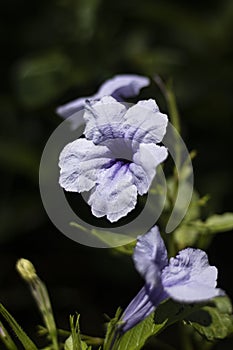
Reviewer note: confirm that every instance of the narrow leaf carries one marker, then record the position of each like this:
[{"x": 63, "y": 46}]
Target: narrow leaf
[
  {"x": 25, "y": 340},
  {"x": 111, "y": 331},
  {"x": 74, "y": 342},
  {"x": 110, "y": 239},
  {"x": 69, "y": 345},
  {"x": 6, "y": 338}
]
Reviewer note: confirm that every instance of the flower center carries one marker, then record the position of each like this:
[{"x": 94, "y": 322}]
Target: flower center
[
  {"x": 123, "y": 161},
  {"x": 121, "y": 149},
  {"x": 117, "y": 165}
]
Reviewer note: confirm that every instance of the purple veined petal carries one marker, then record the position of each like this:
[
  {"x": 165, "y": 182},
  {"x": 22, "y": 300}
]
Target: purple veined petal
[
  {"x": 108, "y": 119},
  {"x": 190, "y": 278},
  {"x": 200, "y": 269},
  {"x": 139, "y": 308},
  {"x": 115, "y": 194},
  {"x": 145, "y": 123},
  {"x": 104, "y": 119},
  {"x": 121, "y": 86},
  {"x": 145, "y": 161},
  {"x": 150, "y": 256},
  {"x": 190, "y": 265},
  {"x": 81, "y": 162}
]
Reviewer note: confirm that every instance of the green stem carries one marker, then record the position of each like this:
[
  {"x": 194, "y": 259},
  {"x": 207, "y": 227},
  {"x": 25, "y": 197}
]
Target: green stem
[
  {"x": 40, "y": 293},
  {"x": 173, "y": 112},
  {"x": 186, "y": 343},
  {"x": 167, "y": 91},
  {"x": 171, "y": 245},
  {"x": 92, "y": 340},
  {"x": 172, "y": 107}
]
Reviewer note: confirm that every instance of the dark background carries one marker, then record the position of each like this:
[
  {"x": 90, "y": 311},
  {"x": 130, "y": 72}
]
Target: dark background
[{"x": 54, "y": 51}]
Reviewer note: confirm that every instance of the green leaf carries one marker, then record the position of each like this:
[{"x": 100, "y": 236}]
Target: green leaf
[
  {"x": 185, "y": 236},
  {"x": 111, "y": 239},
  {"x": 89, "y": 340},
  {"x": 190, "y": 231},
  {"x": 214, "y": 321},
  {"x": 25, "y": 340},
  {"x": 166, "y": 314},
  {"x": 135, "y": 338},
  {"x": 215, "y": 224},
  {"x": 111, "y": 330},
  {"x": 170, "y": 311},
  {"x": 193, "y": 211},
  {"x": 6, "y": 338},
  {"x": 220, "y": 223},
  {"x": 74, "y": 342},
  {"x": 42, "y": 78},
  {"x": 69, "y": 345}
]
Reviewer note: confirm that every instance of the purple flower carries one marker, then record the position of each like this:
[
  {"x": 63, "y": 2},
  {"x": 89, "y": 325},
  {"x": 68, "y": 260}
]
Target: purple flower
[
  {"x": 120, "y": 87},
  {"x": 187, "y": 278},
  {"x": 118, "y": 158}
]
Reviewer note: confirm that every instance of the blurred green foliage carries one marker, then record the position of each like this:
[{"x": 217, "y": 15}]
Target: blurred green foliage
[{"x": 54, "y": 51}]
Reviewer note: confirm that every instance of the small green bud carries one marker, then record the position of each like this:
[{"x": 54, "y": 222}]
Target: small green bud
[{"x": 26, "y": 269}]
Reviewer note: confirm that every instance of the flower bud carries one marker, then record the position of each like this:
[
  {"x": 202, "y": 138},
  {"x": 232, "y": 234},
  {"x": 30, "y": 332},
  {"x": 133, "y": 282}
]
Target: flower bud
[{"x": 26, "y": 269}]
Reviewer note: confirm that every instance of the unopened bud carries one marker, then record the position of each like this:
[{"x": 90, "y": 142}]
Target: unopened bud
[{"x": 26, "y": 269}]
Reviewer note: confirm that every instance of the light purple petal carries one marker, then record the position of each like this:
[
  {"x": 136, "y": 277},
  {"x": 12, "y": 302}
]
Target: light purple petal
[
  {"x": 145, "y": 161},
  {"x": 193, "y": 292},
  {"x": 115, "y": 194},
  {"x": 189, "y": 277},
  {"x": 108, "y": 119},
  {"x": 81, "y": 161},
  {"x": 150, "y": 256},
  {"x": 123, "y": 86},
  {"x": 145, "y": 302},
  {"x": 139, "y": 308},
  {"x": 104, "y": 119},
  {"x": 120, "y": 86},
  {"x": 144, "y": 123},
  {"x": 68, "y": 109},
  {"x": 150, "y": 104}
]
